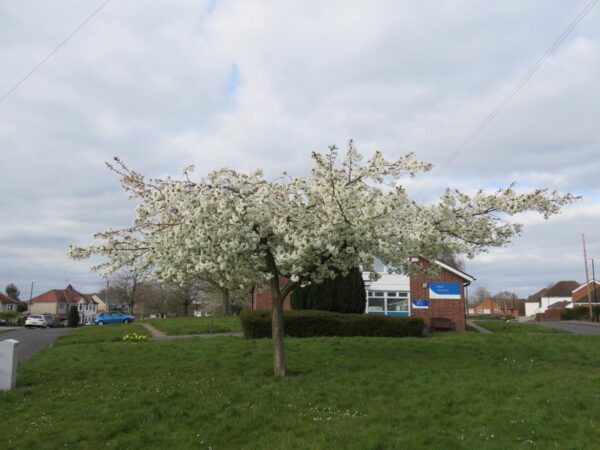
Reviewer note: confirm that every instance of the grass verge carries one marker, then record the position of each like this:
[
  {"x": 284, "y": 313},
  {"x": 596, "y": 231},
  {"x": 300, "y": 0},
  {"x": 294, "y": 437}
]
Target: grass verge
[
  {"x": 500, "y": 326},
  {"x": 462, "y": 391},
  {"x": 197, "y": 325}
]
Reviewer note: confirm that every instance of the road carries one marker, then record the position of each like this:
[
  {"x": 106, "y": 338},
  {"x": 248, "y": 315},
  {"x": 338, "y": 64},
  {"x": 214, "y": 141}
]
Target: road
[
  {"x": 33, "y": 340},
  {"x": 573, "y": 327}
]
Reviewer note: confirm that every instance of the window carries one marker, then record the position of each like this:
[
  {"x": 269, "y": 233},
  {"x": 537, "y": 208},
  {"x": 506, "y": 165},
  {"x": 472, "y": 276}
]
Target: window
[
  {"x": 393, "y": 303},
  {"x": 376, "y": 305}
]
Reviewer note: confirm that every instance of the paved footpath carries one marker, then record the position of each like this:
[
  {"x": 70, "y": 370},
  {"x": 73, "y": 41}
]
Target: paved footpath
[
  {"x": 32, "y": 340},
  {"x": 158, "y": 335},
  {"x": 477, "y": 327},
  {"x": 574, "y": 326}
]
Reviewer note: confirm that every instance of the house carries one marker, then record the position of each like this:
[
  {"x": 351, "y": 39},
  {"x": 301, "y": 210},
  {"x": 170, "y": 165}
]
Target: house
[
  {"x": 8, "y": 304},
  {"x": 562, "y": 291},
  {"x": 579, "y": 296},
  {"x": 57, "y": 302},
  {"x": 486, "y": 306},
  {"x": 439, "y": 296}
]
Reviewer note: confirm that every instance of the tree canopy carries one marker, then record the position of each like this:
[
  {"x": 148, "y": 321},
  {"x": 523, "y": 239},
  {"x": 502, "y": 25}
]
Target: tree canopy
[{"x": 240, "y": 229}]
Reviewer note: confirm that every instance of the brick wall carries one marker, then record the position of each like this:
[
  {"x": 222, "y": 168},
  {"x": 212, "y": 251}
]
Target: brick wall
[
  {"x": 451, "y": 309},
  {"x": 261, "y": 299}
]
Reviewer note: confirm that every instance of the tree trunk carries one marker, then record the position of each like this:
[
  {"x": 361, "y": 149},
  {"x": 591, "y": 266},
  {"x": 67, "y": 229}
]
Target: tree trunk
[
  {"x": 185, "y": 309},
  {"x": 277, "y": 329},
  {"x": 225, "y": 295}
]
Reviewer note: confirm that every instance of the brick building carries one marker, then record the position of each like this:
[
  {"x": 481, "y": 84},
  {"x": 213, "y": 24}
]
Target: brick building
[{"x": 442, "y": 295}]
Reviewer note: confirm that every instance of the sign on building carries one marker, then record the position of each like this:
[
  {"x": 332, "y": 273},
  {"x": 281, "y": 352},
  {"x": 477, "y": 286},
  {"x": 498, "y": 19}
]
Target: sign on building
[
  {"x": 444, "y": 290},
  {"x": 420, "y": 304}
]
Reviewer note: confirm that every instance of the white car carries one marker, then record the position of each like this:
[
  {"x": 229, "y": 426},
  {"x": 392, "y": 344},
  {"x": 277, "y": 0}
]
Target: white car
[
  {"x": 36, "y": 320},
  {"x": 49, "y": 318}
]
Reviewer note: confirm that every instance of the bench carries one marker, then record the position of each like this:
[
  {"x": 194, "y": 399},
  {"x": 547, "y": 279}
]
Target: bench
[{"x": 442, "y": 324}]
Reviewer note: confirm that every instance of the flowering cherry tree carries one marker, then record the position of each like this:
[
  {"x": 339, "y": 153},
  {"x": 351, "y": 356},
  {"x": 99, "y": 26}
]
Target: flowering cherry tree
[{"x": 240, "y": 229}]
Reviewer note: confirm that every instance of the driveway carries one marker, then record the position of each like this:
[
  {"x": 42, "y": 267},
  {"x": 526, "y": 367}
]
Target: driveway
[
  {"x": 33, "y": 340},
  {"x": 573, "y": 327}
]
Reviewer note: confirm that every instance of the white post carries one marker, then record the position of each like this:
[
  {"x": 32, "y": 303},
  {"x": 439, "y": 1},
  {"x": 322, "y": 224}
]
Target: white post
[{"x": 8, "y": 364}]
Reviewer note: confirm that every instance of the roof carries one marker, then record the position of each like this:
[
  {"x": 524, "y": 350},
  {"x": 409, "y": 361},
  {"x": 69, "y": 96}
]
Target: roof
[
  {"x": 486, "y": 300},
  {"x": 7, "y": 299},
  {"x": 537, "y": 296},
  {"x": 581, "y": 294},
  {"x": 592, "y": 282},
  {"x": 460, "y": 273},
  {"x": 67, "y": 295},
  {"x": 562, "y": 289},
  {"x": 559, "y": 305}
]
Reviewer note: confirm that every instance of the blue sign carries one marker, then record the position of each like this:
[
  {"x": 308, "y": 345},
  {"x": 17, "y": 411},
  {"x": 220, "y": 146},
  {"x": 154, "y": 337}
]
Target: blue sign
[
  {"x": 444, "y": 290},
  {"x": 420, "y": 304}
]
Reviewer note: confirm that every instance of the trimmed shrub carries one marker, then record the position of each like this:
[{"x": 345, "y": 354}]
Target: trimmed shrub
[
  {"x": 257, "y": 324},
  {"x": 343, "y": 294},
  {"x": 73, "y": 317}
]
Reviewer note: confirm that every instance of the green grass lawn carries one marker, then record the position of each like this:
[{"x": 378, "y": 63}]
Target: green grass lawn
[
  {"x": 455, "y": 391},
  {"x": 197, "y": 325},
  {"x": 501, "y": 326},
  {"x": 94, "y": 333}
]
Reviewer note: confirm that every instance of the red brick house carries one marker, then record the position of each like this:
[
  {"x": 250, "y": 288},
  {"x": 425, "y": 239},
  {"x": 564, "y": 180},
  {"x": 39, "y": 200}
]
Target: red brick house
[
  {"x": 439, "y": 296},
  {"x": 579, "y": 296},
  {"x": 487, "y": 306}
]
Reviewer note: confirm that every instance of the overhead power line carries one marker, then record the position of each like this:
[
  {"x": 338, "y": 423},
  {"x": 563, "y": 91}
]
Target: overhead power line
[
  {"x": 49, "y": 55},
  {"x": 515, "y": 90}
]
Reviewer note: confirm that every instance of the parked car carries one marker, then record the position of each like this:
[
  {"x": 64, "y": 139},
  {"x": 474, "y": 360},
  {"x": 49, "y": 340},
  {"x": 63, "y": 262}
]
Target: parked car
[
  {"x": 35, "y": 321},
  {"x": 113, "y": 317},
  {"x": 2, "y": 323},
  {"x": 49, "y": 318}
]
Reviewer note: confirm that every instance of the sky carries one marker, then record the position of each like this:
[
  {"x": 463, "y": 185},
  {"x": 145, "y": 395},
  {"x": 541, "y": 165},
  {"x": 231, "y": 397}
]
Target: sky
[{"x": 262, "y": 84}]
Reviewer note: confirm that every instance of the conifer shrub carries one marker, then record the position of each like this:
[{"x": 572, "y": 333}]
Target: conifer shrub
[
  {"x": 343, "y": 294},
  {"x": 73, "y": 317}
]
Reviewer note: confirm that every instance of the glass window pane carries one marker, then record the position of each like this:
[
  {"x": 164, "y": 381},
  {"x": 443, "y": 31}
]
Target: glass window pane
[
  {"x": 375, "y": 305},
  {"x": 396, "y": 305},
  {"x": 391, "y": 294},
  {"x": 379, "y": 294}
]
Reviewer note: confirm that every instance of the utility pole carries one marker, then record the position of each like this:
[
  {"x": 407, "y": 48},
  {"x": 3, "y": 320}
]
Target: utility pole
[
  {"x": 31, "y": 295},
  {"x": 594, "y": 281},
  {"x": 587, "y": 279}
]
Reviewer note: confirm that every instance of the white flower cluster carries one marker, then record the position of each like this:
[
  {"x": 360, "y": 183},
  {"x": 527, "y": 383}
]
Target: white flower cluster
[{"x": 239, "y": 229}]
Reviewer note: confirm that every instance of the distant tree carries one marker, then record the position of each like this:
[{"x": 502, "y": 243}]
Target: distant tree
[
  {"x": 125, "y": 284},
  {"x": 73, "y": 317},
  {"x": 12, "y": 291},
  {"x": 505, "y": 299},
  {"x": 344, "y": 294},
  {"x": 480, "y": 294}
]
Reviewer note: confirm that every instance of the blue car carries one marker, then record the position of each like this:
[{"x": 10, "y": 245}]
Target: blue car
[{"x": 112, "y": 317}]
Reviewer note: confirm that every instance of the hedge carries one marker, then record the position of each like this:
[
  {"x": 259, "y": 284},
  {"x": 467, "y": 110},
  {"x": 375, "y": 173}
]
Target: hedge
[
  {"x": 580, "y": 313},
  {"x": 307, "y": 323}
]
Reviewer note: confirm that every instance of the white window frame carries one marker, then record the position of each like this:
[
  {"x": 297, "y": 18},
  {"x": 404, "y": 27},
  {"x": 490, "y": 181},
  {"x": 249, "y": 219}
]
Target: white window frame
[{"x": 385, "y": 298}]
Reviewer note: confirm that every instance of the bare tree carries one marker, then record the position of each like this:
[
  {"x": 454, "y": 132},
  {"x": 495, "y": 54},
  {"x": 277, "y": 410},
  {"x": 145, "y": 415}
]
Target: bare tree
[{"x": 480, "y": 294}]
